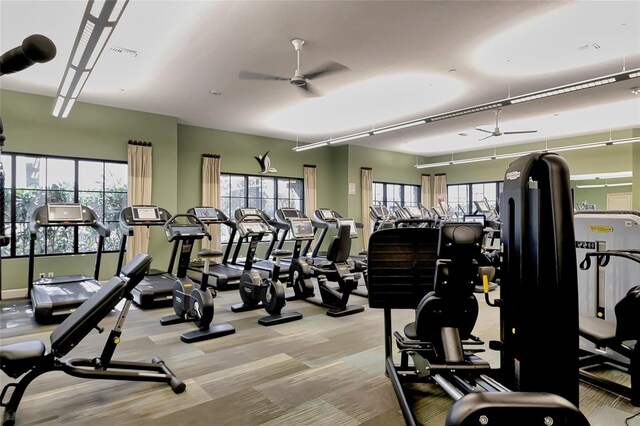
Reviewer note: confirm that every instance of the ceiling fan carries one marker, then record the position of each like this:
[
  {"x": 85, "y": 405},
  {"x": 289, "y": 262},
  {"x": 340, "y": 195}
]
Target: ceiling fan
[
  {"x": 299, "y": 80},
  {"x": 498, "y": 132}
]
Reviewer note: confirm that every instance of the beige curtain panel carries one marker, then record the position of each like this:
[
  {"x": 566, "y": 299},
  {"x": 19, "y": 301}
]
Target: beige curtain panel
[
  {"x": 440, "y": 188},
  {"x": 367, "y": 200},
  {"x": 139, "y": 157},
  {"x": 211, "y": 195},
  {"x": 426, "y": 191},
  {"x": 310, "y": 194}
]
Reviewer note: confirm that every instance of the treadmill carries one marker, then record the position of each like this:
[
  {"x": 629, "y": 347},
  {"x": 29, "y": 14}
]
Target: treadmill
[
  {"x": 55, "y": 298},
  {"x": 222, "y": 276},
  {"x": 156, "y": 289},
  {"x": 260, "y": 265},
  {"x": 326, "y": 219}
]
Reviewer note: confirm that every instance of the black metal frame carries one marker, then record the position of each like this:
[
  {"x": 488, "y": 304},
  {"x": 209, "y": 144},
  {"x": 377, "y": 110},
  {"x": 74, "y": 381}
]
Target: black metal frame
[
  {"x": 76, "y": 192},
  {"x": 69, "y": 333},
  {"x": 384, "y": 196}
]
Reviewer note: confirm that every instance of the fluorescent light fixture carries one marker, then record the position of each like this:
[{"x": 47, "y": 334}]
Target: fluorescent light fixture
[
  {"x": 604, "y": 185},
  {"x": 348, "y": 138},
  {"x": 99, "y": 19},
  {"x": 520, "y": 154},
  {"x": 309, "y": 146},
  {"x": 554, "y": 91},
  {"x": 398, "y": 127},
  {"x": 611, "y": 175}
]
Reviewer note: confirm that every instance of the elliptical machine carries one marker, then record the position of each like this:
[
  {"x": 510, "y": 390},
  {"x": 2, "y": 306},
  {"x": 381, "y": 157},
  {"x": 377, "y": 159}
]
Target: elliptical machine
[
  {"x": 191, "y": 303},
  {"x": 256, "y": 291}
]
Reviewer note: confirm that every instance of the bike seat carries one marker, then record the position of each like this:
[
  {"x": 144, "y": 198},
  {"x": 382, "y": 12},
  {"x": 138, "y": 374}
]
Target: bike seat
[
  {"x": 209, "y": 254},
  {"x": 17, "y": 359},
  {"x": 281, "y": 253}
]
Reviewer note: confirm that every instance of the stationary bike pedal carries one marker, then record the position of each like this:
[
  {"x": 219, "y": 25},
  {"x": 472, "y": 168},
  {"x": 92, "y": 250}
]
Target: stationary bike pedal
[{"x": 496, "y": 345}]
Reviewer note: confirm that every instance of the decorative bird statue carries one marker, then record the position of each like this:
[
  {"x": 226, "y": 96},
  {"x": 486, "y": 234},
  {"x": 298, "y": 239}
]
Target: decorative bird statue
[{"x": 265, "y": 164}]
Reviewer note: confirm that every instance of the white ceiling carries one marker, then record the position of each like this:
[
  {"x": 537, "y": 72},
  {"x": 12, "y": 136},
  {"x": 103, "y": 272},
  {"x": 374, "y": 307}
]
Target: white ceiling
[{"x": 407, "y": 60}]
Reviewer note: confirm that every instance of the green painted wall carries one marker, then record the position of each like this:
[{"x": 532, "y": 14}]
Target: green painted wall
[
  {"x": 93, "y": 131},
  {"x": 598, "y": 196},
  {"x": 90, "y": 131}
]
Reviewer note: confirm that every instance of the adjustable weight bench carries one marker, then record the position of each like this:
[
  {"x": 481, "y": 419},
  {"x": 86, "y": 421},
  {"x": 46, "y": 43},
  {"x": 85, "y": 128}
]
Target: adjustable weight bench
[{"x": 31, "y": 357}]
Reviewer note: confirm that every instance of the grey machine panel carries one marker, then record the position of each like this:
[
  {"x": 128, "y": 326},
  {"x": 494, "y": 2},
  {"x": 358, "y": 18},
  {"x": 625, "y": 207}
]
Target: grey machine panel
[{"x": 600, "y": 288}]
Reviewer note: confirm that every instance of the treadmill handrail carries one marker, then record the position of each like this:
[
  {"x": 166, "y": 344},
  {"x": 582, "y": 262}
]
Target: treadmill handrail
[{"x": 192, "y": 218}]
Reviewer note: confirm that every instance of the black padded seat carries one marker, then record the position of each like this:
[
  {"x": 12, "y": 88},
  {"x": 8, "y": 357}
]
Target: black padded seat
[
  {"x": 281, "y": 253},
  {"x": 208, "y": 254},
  {"x": 410, "y": 331},
  {"x": 19, "y": 358},
  {"x": 597, "y": 330}
]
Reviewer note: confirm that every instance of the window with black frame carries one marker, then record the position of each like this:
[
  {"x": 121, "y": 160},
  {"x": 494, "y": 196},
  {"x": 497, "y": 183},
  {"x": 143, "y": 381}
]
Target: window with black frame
[
  {"x": 32, "y": 181},
  {"x": 464, "y": 195},
  {"x": 266, "y": 193},
  {"x": 394, "y": 194}
]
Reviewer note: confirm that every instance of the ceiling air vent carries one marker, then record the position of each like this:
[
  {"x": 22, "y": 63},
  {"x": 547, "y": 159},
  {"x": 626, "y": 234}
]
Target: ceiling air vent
[{"x": 124, "y": 51}]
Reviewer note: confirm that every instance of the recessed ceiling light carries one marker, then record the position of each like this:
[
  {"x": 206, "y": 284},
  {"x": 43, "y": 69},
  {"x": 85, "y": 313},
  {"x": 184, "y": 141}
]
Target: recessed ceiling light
[
  {"x": 463, "y": 134},
  {"x": 635, "y": 90},
  {"x": 215, "y": 92}
]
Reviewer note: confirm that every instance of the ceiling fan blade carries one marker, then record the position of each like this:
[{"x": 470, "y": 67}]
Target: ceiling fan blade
[
  {"x": 248, "y": 75},
  {"x": 327, "y": 68},
  {"x": 309, "y": 91},
  {"x": 483, "y": 130},
  {"x": 487, "y": 137},
  {"x": 519, "y": 131}
]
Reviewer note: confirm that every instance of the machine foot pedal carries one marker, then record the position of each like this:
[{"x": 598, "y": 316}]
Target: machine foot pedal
[
  {"x": 241, "y": 307},
  {"x": 171, "y": 320},
  {"x": 280, "y": 319},
  {"x": 212, "y": 332},
  {"x": 347, "y": 310}
]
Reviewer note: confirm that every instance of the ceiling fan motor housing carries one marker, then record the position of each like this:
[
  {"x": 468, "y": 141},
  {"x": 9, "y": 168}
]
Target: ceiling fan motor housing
[{"x": 298, "y": 80}]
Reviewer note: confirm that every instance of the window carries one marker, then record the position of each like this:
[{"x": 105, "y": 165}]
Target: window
[
  {"x": 262, "y": 192},
  {"x": 394, "y": 194},
  {"x": 461, "y": 197},
  {"x": 32, "y": 181}
]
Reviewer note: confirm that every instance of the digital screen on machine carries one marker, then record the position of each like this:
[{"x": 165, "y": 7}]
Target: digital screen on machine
[
  {"x": 64, "y": 212},
  {"x": 377, "y": 211},
  {"x": 145, "y": 213},
  {"x": 301, "y": 228},
  {"x": 477, "y": 218},
  {"x": 352, "y": 224},
  {"x": 289, "y": 213},
  {"x": 253, "y": 228},
  {"x": 249, "y": 212},
  {"x": 327, "y": 214},
  {"x": 187, "y": 230},
  {"x": 205, "y": 213},
  {"x": 414, "y": 212},
  {"x": 482, "y": 206}
]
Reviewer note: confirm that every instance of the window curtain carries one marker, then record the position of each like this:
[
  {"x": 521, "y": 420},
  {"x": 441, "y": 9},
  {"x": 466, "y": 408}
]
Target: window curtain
[
  {"x": 426, "y": 191},
  {"x": 367, "y": 200},
  {"x": 139, "y": 157},
  {"x": 310, "y": 194},
  {"x": 440, "y": 188},
  {"x": 211, "y": 195}
]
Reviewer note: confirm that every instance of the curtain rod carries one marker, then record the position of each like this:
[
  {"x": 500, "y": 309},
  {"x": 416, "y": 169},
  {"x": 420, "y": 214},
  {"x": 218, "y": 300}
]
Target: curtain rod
[
  {"x": 140, "y": 143},
  {"x": 211, "y": 155},
  {"x": 313, "y": 166},
  {"x": 366, "y": 168}
]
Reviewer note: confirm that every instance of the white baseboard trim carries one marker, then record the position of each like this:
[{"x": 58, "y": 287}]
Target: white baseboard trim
[{"x": 19, "y": 293}]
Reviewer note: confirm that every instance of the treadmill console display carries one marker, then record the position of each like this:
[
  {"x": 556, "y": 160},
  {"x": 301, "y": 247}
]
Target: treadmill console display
[
  {"x": 301, "y": 228},
  {"x": 146, "y": 213},
  {"x": 482, "y": 206},
  {"x": 205, "y": 213},
  {"x": 327, "y": 215},
  {"x": 64, "y": 212},
  {"x": 352, "y": 224},
  {"x": 186, "y": 230},
  {"x": 249, "y": 228},
  {"x": 289, "y": 213},
  {"x": 415, "y": 212},
  {"x": 249, "y": 212},
  {"x": 477, "y": 218}
]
